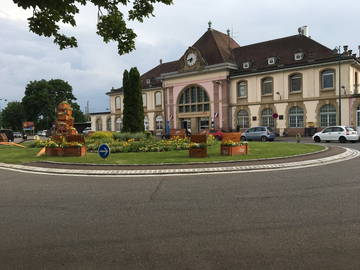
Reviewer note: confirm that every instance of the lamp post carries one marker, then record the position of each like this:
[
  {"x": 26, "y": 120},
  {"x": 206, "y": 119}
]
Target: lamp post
[{"x": 339, "y": 60}]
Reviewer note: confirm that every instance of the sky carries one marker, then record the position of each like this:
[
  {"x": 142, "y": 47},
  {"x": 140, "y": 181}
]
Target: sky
[{"x": 94, "y": 67}]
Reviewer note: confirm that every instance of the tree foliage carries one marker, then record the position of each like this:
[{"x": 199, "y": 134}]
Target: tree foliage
[
  {"x": 49, "y": 14},
  {"x": 13, "y": 115},
  {"x": 133, "y": 118},
  {"x": 41, "y": 99}
]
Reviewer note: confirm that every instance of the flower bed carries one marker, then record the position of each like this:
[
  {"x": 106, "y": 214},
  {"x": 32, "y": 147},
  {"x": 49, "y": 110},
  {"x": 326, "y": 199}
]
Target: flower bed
[{"x": 231, "y": 148}]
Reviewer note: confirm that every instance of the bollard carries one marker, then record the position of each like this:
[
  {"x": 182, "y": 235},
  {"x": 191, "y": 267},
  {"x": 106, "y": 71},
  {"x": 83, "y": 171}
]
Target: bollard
[{"x": 298, "y": 137}]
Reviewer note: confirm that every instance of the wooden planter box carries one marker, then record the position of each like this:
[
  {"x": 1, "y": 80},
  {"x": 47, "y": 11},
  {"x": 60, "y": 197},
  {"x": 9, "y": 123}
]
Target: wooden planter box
[
  {"x": 53, "y": 151},
  {"x": 198, "y": 152},
  {"x": 66, "y": 152},
  {"x": 74, "y": 151},
  {"x": 234, "y": 150}
]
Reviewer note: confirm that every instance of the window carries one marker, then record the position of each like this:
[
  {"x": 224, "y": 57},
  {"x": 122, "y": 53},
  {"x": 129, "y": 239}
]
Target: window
[
  {"x": 327, "y": 79},
  {"x": 144, "y": 100},
  {"x": 243, "y": 119},
  {"x": 146, "y": 123},
  {"x": 204, "y": 123},
  {"x": 295, "y": 82},
  {"x": 267, "y": 119},
  {"x": 267, "y": 86},
  {"x": 194, "y": 99},
  {"x": 296, "y": 117},
  {"x": 246, "y": 65},
  {"x": 148, "y": 81},
  {"x": 158, "y": 100},
  {"x": 108, "y": 124},
  {"x": 298, "y": 56},
  {"x": 117, "y": 103},
  {"x": 159, "y": 122},
  {"x": 271, "y": 60},
  {"x": 118, "y": 124},
  {"x": 327, "y": 115},
  {"x": 98, "y": 125},
  {"x": 242, "y": 89}
]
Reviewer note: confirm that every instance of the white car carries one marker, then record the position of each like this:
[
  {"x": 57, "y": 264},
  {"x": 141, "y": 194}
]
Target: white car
[{"x": 341, "y": 134}]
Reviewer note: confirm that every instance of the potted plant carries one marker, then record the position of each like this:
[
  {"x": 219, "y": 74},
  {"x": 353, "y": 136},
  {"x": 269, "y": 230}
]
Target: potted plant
[
  {"x": 52, "y": 148},
  {"x": 197, "y": 150},
  {"x": 231, "y": 148},
  {"x": 73, "y": 149}
]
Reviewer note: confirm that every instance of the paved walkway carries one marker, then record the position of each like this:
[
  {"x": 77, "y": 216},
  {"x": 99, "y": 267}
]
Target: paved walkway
[{"x": 330, "y": 155}]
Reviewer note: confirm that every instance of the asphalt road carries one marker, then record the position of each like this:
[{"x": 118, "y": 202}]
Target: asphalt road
[{"x": 297, "y": 219}]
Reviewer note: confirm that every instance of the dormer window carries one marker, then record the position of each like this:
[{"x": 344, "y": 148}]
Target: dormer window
[
  {"x": 271, "y": 60},
  {"x": 148, "y": 81},
  {"x": 298, "y": 56},
  {"x": 246, "y": 65}
]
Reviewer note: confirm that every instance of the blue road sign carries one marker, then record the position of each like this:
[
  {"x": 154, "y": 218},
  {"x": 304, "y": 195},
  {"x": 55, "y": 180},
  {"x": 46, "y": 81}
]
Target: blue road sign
[{"x": 104, "y": 151}]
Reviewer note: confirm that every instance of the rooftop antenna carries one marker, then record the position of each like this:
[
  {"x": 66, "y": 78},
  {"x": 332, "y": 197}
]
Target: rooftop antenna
[{"x": 209, "y": 23}]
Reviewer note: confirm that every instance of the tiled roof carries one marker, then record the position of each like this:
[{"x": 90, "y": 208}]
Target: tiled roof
[
  {"x": 215, "y": 47},
  {"x": 283, "y": 50}
]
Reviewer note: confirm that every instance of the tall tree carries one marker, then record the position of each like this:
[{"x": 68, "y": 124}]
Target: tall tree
[
  {"x": 135, "y": 86},
  {"x": 111, "y": 26},
  {"x": 128, "y": 113},
  {"x": 133, "y": 118},
  {"x": 41, "y": 99},
  {"x": 13, "y": 115}
]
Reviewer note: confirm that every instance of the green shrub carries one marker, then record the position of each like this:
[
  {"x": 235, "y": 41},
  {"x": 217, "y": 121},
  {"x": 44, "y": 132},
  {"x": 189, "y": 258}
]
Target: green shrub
[
  {"x": 98, "y": 135},
  {"x": 125, "y": 136}
]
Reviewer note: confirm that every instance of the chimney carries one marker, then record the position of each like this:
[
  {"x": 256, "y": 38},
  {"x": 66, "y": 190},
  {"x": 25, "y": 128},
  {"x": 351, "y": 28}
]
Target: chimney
[
  {"x": 304, "y": 31},
  {"x": 345, "y": 49},
  {"x": 161, "y": 61}
]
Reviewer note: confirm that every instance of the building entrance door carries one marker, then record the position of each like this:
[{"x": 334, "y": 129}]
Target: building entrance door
[{"x": 185, "y": 123}]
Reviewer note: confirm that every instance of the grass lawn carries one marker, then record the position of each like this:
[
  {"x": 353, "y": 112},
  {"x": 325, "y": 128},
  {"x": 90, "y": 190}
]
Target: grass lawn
[{"x": 16, "y": 155}]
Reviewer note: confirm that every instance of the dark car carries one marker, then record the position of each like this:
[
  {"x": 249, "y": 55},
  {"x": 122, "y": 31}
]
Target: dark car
[
  {"x": 9, "y": 134},
  {"x": 217, "y": 133},
  {"x": 258, "y": 134}
]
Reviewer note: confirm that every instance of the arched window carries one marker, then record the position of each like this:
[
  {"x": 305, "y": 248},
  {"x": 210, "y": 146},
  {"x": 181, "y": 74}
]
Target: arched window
[
  {"x": 117, "y": 103},
  {"x": 158, "y": 100},
  {"x": 118, "y": 124},
  {"x": 108, "y": 124},
  {"x": 159, "y": 122},
  {"x": 267, "y": 119},
  {"x": 267, "y": 86},
  {"x": 144, "y": 100},
  {"x": 146, "y": 123},
  {"x": 243, "y": 119},
  {"x": 327, "y": 79},
  {"x": 295, "y": 82},
  {"x": 98, "y": 124},
  {"x": 327, "y": 115},
  {"x": 296, "y": 117},
  {"x": 242, "y": 89},
  {"x": 194, "y": 99}
]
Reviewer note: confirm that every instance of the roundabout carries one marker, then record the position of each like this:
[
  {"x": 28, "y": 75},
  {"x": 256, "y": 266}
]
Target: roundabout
[{"x": 330, "y": 155}]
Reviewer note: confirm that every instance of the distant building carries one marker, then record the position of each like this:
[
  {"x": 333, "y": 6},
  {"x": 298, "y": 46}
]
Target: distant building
[{"x": 288, "y": 84}]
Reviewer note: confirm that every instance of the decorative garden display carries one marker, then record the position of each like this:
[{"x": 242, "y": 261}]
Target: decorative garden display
[
  {"x": 231, "y": 145},
  {"x": 198, "y": 146},
  {"x": 66, "y": 141}
]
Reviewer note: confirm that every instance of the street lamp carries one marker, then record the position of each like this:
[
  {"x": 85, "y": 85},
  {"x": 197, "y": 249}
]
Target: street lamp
[{"x": 339, "y": 60}]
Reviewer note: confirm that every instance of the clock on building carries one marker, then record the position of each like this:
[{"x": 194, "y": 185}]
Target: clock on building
[{"x": 191, "y": 59}]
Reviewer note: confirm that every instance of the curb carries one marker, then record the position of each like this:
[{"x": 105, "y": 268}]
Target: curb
[{"x": 347, "y": 155}]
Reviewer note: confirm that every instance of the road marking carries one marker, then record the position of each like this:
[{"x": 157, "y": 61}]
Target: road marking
[{"x": 347, "y": 155}]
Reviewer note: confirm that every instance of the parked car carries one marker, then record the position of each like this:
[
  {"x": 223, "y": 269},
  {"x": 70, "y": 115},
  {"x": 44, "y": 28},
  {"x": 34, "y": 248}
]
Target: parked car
[
  {"x": 42, "y": 133},
  {"x": 217, "y": 133},
  {"x": 86, "y": 130},
  {"x": 258, "y": 134},
  {"x": 9, "y": 134},
  {"x": 336, "y": 133},
  {"x": 17, "y": 134}
]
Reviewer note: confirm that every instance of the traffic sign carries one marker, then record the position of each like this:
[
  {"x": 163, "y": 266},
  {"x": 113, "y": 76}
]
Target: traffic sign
[{"x": 104, "y": 151}]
